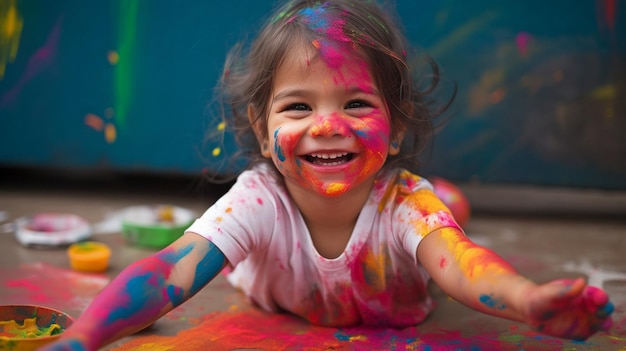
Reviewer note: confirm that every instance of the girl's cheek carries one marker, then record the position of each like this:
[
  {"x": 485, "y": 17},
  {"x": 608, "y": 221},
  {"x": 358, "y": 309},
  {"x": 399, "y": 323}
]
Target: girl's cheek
[
  {"x": 373, "y": 131},
  {"x": 279, "y": 153},
  {"x": 284, "y": 145}
]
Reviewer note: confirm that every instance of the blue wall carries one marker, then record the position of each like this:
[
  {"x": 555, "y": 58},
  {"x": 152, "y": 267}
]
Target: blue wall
[{"x": 125, "y": 85}]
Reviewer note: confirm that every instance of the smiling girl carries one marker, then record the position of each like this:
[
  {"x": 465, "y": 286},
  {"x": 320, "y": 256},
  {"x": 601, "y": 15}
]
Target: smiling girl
[{"x": 328, "y": 223}]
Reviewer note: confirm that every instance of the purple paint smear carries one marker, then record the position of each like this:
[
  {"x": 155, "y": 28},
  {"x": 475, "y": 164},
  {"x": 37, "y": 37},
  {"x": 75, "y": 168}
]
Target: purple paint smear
[{"x": 40, "y": 61}]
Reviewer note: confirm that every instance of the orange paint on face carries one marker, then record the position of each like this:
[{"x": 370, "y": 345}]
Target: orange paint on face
[
  {"x": 326, "y": 127},
  {"x": 345, "y": 113},
  {"x": 475, "y": 261},
  {"x": 335, "y": 189}
]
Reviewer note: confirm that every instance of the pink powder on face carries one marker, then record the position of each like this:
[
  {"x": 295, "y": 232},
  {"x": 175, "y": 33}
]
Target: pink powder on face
[{"x": 334, "y": 42}]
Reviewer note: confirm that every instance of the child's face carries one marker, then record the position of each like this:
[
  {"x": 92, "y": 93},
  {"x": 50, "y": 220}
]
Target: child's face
[{"x": 328, "y": 126}]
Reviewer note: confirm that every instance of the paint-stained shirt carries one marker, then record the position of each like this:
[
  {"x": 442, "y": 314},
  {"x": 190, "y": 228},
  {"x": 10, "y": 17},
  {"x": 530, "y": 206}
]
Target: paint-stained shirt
[{"x": 377, "y": 280}]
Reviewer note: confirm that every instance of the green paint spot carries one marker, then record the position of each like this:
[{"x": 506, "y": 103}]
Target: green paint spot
[
  {"x": 129, "y": 10},
  {"x": 515, "y": 339}
]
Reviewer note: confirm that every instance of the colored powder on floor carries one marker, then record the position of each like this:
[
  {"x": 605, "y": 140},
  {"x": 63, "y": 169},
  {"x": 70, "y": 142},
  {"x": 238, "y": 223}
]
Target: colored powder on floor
[{"x": 258, "y": 330}]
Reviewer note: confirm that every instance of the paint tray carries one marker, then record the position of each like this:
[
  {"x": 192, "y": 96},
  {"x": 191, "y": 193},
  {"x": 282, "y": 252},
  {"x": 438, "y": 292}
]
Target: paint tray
[
  {"x": 51, "y": 229},
  {"x": 155, "y": 226},
  {"x": 29, "y": 327}
]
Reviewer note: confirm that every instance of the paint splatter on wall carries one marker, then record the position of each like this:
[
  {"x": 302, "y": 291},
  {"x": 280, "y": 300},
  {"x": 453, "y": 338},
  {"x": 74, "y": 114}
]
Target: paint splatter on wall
[
  {"x": 528, "y": 84},
  {"x": 11, "y": 23}
]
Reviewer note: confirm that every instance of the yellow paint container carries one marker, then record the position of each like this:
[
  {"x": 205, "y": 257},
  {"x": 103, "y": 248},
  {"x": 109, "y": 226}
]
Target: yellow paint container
[{"x": 89, "y": 256}]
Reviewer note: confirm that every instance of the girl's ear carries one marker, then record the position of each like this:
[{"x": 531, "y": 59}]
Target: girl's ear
[
  {"x": 394, "y": 144},
  {"x": 261, "y": 135}
]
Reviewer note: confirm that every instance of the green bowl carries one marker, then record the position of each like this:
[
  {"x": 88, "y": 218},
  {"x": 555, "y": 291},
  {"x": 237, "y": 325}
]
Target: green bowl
[{"x": 146, "y": 226}]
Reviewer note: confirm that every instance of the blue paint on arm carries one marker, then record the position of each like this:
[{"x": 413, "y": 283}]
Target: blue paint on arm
[
  {"x": 490, "y": 302},
  {"x": 142, "y": 292},
  {"x": 175, "y": 294},
  {"x": 146, "y": 286},
  {"x": 174, "y": 257},
  {"x": 210, "y": 265}
]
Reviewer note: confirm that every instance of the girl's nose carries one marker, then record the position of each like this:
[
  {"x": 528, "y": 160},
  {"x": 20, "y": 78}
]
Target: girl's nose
[{"x": 329, "y": 126}]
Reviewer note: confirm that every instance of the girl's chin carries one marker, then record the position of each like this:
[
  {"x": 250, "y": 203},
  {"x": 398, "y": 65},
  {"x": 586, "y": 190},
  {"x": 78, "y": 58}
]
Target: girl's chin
[
  {"x": 335, "y": 189},
  {"x": 319, "y": 187}
]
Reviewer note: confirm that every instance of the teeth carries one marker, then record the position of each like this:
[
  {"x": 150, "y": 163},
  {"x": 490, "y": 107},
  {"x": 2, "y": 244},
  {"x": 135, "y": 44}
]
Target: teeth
[{"x": 330, "y": 156}]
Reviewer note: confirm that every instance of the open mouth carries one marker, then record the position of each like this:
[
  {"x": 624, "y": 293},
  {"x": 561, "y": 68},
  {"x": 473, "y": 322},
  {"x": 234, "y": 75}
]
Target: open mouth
[{"x": 330, "y": 159}]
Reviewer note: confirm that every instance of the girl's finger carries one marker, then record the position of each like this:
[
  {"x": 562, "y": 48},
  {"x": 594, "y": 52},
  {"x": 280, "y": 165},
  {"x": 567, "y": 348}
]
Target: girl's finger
[
  {"x": 608, "y": 323},
  {"x": 597, "y": 295},
  {"x": 606, "y": 310}
]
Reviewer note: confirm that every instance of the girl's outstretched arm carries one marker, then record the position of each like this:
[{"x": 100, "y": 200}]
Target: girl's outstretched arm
[
  {"x": 143, "y": 292},
  {"x": 480, "y": 279}
]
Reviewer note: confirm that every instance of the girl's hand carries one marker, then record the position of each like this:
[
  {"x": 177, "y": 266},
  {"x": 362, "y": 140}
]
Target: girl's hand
[{"x": 569, "y": 309}]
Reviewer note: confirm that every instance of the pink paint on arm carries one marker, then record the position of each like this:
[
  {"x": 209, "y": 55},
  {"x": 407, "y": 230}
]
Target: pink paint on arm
[{"x": 134, "y": 299}]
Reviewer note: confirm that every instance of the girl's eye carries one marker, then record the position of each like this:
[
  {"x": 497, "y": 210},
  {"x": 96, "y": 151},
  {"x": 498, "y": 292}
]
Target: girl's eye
[
  {"x": 357, "y": 104},
  {"x": 297, "y": 107}
]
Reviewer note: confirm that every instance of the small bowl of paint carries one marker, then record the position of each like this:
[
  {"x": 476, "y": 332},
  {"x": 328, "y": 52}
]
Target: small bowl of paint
[
  {"x": 89, "y": 256},
  {"x": 155, "y": 226},
  {"x": 29, "y": 327},
  {"x": 51, "y": 229}
]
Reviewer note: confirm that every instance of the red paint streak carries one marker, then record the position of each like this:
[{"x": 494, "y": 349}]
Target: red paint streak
[
  {"x": 443, "y": 262},
  {"x": 609, "y": 13}
]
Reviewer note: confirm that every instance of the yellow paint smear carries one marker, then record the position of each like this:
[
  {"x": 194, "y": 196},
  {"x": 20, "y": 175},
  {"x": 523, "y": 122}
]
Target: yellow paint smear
[
  {"x": 152, "y": 346},
  {"x": 335, "y": 188},
  {"x": 29, "y": 329},
  {"x": 474, "y": 261},
  {"x": 374, "y": 268},
  {"x": 110, "y": 133},
  {"x": 11, "y": 24}
]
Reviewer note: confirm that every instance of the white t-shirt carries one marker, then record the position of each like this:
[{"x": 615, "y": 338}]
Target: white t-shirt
[{"x": 377, "y": 280}]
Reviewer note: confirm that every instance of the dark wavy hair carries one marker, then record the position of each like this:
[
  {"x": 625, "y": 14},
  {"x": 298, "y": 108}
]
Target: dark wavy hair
[{"x": 374, "y": 32}]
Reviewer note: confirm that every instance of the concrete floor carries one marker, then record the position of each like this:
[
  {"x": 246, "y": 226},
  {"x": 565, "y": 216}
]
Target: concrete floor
[{"x": 542, "y": 247}]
